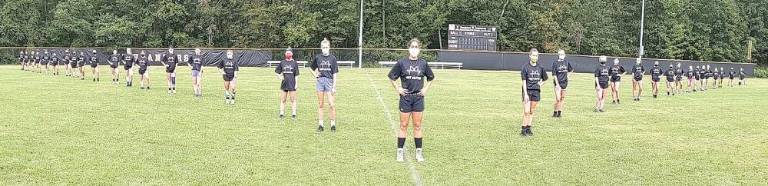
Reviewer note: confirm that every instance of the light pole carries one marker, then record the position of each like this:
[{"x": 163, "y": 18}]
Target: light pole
[
  {"x": 641, "y": 50},
  {"x": 360, "y": 38}
]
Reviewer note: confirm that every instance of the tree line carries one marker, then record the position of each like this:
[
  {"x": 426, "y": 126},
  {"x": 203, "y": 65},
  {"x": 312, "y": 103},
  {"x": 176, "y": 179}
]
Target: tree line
[{"x": 712, "y": 30}]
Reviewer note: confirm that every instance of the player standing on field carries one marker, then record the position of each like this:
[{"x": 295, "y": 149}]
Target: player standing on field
[
  {"x": 412, "y": 72},
  {"x": 324, "y": 68},
  {"x": 561, "y": 70}
]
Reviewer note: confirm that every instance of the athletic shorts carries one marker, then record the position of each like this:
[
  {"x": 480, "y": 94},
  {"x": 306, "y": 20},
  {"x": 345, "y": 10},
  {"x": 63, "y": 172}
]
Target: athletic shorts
[
  {"x": 324, "y": 84},
  {"x": 671, "y": 80},
  {"x": 533, "y": 95},
  {"x": 678, "y": 78},
  {"x": 563, "y": 84},
  {"x": 127, "y": 67},
  {"x": 112, "y": 66},
  {"x": 638, "y": 78},
  {"x": 142, "y": 71},
  {"x": 53, "y": 64},
  {"x": 195, "y": 73},
  {"x": 94, "y": 65},
  {"x": 656, "y": 79},
  {"x": 616, "y": 79},
  {"x": 603, "y": 85},
  {"x": 228, "y": 77},
  {"x": 170, "y": 70},
  {"x": 73, "y": 65},
  {"x": 411, "y": 103}
]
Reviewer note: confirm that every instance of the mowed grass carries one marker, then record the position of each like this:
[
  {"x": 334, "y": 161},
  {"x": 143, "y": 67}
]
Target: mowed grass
[{"x": 59, "y": 130}]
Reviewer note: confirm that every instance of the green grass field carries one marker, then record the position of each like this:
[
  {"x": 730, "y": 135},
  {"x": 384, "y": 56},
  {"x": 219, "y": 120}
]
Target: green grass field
[{"x": 59, "y": 130}]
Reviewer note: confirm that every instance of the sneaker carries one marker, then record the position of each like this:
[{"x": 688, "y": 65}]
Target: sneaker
[
  {"x": 419, "y": 155},
  {"x": 333, "y": 128},
  {"x": 281, "y": 117},
  {"x": 613, "y": 102},
  {"x": 554, "y": 114},
  {"x": 293, "y": 116},
  {"x": 618, "y": 101},
  {"x": 320, "y": 128},
  {"x": 400, "y": 155},
  {"x": 601, "y": 110},
  {"x": 523, "y": 132},
  {"x": 559, "y": 114},
  {"x": 529, "y": 131}
]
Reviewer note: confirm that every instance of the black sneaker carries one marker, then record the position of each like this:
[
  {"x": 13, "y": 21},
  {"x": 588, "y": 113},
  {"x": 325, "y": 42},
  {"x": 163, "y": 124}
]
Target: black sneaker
[
  {"x": 613, "y": 102},
  {"x": 320, "y": 128},
  {"x": 281, "y": 117},
  {"x": 333, "y": 128},
  {"x": 142, "y": 87},
  {"x": 654, "y": 96},
  {"x": 618, "y": 101},
  {"x": 559, "y": 114},
  {"x": 293, "y": 116},
  {"x": 523, "y": 132},
  {"x": 529, "y": 131},
  {"x": 554, "y": 114},
  {"x": 601, "y": 110}
]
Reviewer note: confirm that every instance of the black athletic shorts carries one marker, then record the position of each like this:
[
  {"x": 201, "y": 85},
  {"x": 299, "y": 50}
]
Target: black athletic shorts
[
  {"x": 127, "y": 67},
  {"x": 616, "y": 79},
  {"x": 563, "y": 84},
  {"x": 73, "y": 65},
  {"x": 170, "y": 70},
  {"x": 603, "y": 85},
  {"x": 53, "y": 64},
  {"x": 411, "y": 103},
  {"x": 678, "y": 78},
  {"x": 94, "y": 65},
  {"x": 638, "y": 78},
  {"x": 656, "y": 79},
  {"x": 229, "y": 77},
  {"x": 533, "y": 95},
  {"x": 142, "y": 71},
  {"x": 112, "y": 66}
]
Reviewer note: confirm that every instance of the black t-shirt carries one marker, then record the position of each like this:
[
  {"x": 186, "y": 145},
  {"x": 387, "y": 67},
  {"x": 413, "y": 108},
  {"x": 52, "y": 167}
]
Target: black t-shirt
[
  {"x": 196, "y": 61},
  {"x": 533, "y": 75},
  {"x": 326, "y": 65},
  {"x": 128, "y": 60},
  {"x": 670, "y": 74},
  {"x": 94, "y": 60},
  {"x": 702, "y": 73},
  {"x": 731, "y": 74},
  {"x": 690, "y": 74},
  {"x": 114, "y": 59},
  {"x": 560, "y": 69},
  {"x": 229, "y": 66},
  {"x": 45, "y": 57},
  {"x": 171, "y": 60},
  {"x": 603, "y": 73},
  {"x": 656, "y": 72},
  {"x": 638, "y": 71},
  {"x": 54, "y": 59},
  {"x": 616, "y": 71},
  {"x": 679, "y": 72},
  {"x": 742, "y": 75},
  {"x": 412, "y": 74},
  {"x": 290, "y": 70},
  {"x": 143, "y": 62},
  {"x": 81, "y": 60}
]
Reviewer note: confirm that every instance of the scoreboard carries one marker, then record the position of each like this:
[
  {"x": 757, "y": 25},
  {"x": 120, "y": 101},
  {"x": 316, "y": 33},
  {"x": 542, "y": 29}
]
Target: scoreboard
[{"x": 472, "y": 37}]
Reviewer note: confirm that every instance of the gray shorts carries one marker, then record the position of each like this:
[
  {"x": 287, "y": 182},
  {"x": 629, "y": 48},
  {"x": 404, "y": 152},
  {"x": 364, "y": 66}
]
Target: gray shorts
[
  {"x": 195, "y": 73},
  {"x": 324, "y": 84}
]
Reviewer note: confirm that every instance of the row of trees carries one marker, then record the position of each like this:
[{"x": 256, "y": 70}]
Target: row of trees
[{"x": 717, "y": 30}]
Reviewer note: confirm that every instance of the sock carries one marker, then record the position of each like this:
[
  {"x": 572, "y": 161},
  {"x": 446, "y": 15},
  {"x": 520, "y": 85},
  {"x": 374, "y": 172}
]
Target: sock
[
  {"x": 400, "y": 143},
  {"x": 173, "y": 81},
  {"x": 417, "y": 141},
  {"x": 321, "y": 123},
  {"x": 333, "y": 122}
]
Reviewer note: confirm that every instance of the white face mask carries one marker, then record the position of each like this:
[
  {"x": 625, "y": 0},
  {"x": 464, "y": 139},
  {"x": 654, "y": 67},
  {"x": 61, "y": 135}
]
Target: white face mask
[
  {"x": 198, "y": 52},
  {"x": 229, "y": 55},
  {"x": 414, "y": 52}
]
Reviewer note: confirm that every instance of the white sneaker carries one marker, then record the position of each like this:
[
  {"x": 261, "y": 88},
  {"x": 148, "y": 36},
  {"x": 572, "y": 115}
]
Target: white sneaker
[
  {"x": 400, "y": 155},
  {"x": 419, "y": 155}
]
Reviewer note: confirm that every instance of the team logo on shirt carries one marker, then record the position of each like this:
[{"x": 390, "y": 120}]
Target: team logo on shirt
[
  {"x": 230, "y": 64},
  {"x": 288, "y": 69},
  {"x": 324, "y": 65},
  {"x": 534, "y": 75},
  {"x": 414, "y": 72}
]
